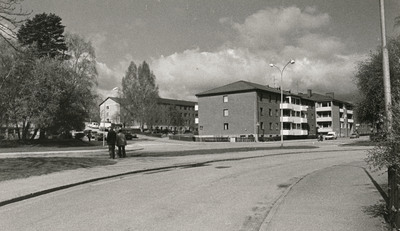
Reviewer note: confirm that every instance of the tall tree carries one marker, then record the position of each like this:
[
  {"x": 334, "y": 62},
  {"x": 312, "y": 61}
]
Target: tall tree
[
  {"x": 141, "y": 92},
  {"x": 44, "y": 33},
  {"x": 54, "y": 95},
  {"x": 370, "y": 107}
]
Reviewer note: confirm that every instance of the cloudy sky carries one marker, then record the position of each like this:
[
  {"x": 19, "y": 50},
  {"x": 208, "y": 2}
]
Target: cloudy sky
[{"x": 196, "y": 45}]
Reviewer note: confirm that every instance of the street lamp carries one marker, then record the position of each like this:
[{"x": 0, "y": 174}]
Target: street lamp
[{"x": 281, "y": 117}]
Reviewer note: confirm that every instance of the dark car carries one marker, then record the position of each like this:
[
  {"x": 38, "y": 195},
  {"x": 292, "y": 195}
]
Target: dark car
[
  {"x": 354, "y": 135},
  {"x": 128, "y": 134}
]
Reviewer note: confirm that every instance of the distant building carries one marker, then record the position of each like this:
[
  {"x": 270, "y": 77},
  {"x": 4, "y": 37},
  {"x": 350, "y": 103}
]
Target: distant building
[
  {"x": 245, "y": 109},
  {"x": 248, "y": 109},
  {"x": 332, "y": 115},
  {"x": 112, "y": 111}
]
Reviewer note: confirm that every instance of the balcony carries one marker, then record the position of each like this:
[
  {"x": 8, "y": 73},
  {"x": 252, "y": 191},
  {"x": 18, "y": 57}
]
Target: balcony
[
  {"x": 286, "y": 106},
  {"x": 349, "y": 111},
  {"x": 293, "y": 119},
  {"x": 295, "y": 132},
  {"x": 294, "y": 107},
  {"x": 341, "y": 110},
  {"x": 323, "y": 109},
  {"x": 325, "y": 129},
  {"x": 324, "y": 119},
  {"x": 286, "y": 119},
  {"x": 350, "y": 121}
]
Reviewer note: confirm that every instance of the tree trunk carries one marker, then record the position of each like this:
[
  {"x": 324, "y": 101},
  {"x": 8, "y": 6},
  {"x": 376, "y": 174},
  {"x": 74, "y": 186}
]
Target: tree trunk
[
  {"x": 42, "y": 134},
  {"x": 34, "y": 133},
  {"x": 25, "y": 130},
  {"x": 18, "y": 132}
]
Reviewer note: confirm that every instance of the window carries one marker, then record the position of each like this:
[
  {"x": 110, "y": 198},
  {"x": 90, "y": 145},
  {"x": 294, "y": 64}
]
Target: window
[
  {"x": 226, "y": 113},
  {"x": 226, "y": 126},
  {"x": 270, "y": 126},
  {"x": 276, "y": 112},
  {"x": 262, "y": 125},
  {"x": 270, "y": 98},
  {"x": 277, "y": 126},
  {"x": 108, "y": 107},
  {"x": 225, "y": 98},
  {"x": 261, "y": 111},
  {"x": 270, "y": 112}
]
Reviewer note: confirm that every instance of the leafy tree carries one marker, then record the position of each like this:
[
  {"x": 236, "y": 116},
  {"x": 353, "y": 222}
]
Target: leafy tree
[
  {"x": 370, "y": 108},
  {"x": 54, "y": 95},
  {"x": 141, "y": 93},
  {"x": 174, "y": 117},
  {"x": 43, "y": 33}
]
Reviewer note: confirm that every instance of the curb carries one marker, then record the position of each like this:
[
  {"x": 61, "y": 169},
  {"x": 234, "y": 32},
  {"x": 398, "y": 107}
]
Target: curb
[
  {"x": 277, "y": 203},
  {"x": 264, "y": 226}
]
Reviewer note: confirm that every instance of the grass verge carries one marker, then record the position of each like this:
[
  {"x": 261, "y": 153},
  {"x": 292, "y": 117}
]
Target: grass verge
[{"x": 15, "y": 168}]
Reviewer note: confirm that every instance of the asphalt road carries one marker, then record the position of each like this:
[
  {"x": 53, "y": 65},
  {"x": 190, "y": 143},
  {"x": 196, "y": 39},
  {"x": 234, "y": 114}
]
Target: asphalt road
[{"x": 230, "y": 195}]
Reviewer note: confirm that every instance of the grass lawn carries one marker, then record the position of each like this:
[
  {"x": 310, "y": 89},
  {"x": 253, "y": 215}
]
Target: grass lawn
[
  {"x": 14, "y": 168},
  {"x": 48, "y": 145}
]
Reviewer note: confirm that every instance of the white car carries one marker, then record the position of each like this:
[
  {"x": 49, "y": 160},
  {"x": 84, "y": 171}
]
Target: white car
[
  {"x": 331, "y": 136},
  {"x": 94, "y": 125}
]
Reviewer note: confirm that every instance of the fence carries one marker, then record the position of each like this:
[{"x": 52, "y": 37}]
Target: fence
[{"x": 393, "y": 202}]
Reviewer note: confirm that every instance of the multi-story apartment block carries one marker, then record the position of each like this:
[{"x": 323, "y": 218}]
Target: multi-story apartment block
[
  {"x": 247, "y": 109},
  {"x": 112, "y": 111},
  {"x": 332, "y": 115}
]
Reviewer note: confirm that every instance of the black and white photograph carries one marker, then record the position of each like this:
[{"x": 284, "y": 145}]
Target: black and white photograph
[{"x": 199, "y": 115}]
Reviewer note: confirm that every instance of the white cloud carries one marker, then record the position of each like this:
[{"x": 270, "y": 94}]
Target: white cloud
[{"x": 270, "y": 35}]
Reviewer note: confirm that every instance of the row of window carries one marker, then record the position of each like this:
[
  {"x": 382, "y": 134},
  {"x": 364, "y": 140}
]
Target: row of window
[
  {"x": 271, "y": 126},
  {"x": 269, "y": 112}
]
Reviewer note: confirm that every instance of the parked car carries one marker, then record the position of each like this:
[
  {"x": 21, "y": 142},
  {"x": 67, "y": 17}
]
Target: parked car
[
  {"x": 331, "y": 136},
  {"x": 94, "y": 125},
  {"x": 78, "y": 135},
  {"x": 90, "y": 133},
  {"x": 354, "y": 135},
  {"x": 100, "y": 136},
  {"x": 128, "y": 134}
]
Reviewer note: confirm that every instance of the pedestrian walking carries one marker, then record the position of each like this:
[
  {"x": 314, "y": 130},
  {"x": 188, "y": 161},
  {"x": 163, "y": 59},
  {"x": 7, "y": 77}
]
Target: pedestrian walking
[
  {"x": 320, "y": 138},
  {"x": 121, "y": 142},
  {"x": 111, "y": 139}
]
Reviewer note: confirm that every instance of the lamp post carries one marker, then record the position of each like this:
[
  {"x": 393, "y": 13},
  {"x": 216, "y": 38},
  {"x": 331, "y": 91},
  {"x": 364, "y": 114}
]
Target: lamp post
[{"x": 281, "y": 117}]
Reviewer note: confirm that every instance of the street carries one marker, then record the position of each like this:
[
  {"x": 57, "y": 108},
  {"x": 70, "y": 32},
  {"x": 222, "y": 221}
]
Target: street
[{"x": 222, "y": 195}]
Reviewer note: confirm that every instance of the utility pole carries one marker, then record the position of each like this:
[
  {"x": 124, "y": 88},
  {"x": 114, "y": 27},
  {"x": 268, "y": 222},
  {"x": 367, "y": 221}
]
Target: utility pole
[
  {"x": 392, "y": 204},
  {"x": 386, "y": 71}
]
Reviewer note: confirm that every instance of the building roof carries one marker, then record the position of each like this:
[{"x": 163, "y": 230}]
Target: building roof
[
  {"x": 176, "y": 102},
  {"x": 239, "y": 86},
  {"x": 321, "y": 98},
  {"x": 245, "y": 86},
  {"x": 159, "y": 101}
]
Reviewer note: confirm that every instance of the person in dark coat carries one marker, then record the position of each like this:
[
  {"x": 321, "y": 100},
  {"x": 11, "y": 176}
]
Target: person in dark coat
[
  {"x": 111, "y": 139},
  {"x": 121, "y": 142}
]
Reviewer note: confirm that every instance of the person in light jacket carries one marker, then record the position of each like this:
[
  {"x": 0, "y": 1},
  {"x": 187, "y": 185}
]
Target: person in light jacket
[{"x": 121, "y": 142}]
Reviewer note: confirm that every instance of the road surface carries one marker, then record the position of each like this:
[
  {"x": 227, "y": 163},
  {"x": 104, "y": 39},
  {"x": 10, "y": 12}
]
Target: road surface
[{"x": 228, "y": 195}]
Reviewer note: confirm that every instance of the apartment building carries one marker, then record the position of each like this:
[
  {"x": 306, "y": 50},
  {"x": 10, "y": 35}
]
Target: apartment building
[
  {"x": 112, "y": 111},
  {"x": 332, "y": 115},
  {"x": 245, "y": 109}
]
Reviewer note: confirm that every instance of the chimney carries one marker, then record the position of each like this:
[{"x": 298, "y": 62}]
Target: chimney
[
  {"x": 330, "y": 94},
  {"x": 309, "y": 92}
]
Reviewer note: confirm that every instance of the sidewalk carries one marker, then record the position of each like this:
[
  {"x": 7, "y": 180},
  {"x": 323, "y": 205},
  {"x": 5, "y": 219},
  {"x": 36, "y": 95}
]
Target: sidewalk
[{"x": 337, "y": 198}]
